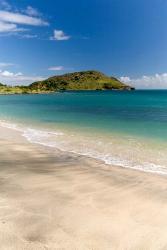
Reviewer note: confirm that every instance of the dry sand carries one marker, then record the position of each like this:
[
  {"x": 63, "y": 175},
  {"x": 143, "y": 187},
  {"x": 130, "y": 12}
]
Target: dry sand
[{"x": 54, "y": 200}]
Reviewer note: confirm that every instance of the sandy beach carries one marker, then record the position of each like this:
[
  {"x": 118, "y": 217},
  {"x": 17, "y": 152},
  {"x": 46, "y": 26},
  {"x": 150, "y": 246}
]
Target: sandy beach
[{"x": 55, "y": 200}]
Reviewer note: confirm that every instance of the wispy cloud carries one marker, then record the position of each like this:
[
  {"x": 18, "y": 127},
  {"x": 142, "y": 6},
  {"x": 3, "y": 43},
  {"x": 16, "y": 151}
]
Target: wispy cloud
[
  {"x": 4, "y": 64},
  {"x": 28, "y": 36},
  {"x": 5, "y": 5},
  {"x": 11, "y": 78},
  {"x": 13, "y": 21},
  {"x": 32, "y": 11},
  {"x": 56, "y": 68},
  {"x": 60, "y": 68},
  {"x": 17, "y": 18},
  {"x": 59, "y": 35},
  {"x": 9, "y": 27},
  {"x": 157, "y": 81}
]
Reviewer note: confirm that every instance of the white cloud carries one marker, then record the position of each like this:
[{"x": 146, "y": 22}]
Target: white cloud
[
  {"x": 12, "y": 19},
  {"x": 125, "y": 79},
  {"x": 17, "y": 18},
  {"x": 59, "y": 35},
  {"x": 9, "y": 27},
  {"x": 11, "y": 78},
  {"x": 157, "y": 81},
  {"x": 56, "y": 68},
  {"x": 32, "y": 11},
  {"x": 7, "y": 73}
]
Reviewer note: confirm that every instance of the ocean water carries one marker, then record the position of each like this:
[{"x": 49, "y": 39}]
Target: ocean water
[{"x": 124, "y": 128}]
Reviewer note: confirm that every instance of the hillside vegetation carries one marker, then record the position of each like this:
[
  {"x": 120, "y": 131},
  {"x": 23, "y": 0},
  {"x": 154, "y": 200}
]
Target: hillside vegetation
[
  {"x": 85, "y": 80},
  {"x": 9, "y": 90}
]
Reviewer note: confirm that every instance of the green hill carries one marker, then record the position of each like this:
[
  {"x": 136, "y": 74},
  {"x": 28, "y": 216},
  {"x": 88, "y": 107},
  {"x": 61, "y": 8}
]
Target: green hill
[{"x": 84, "y": 80}]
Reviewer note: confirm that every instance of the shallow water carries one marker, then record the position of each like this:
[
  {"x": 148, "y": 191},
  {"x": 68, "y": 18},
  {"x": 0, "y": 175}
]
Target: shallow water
[{"x": 127, "y": 128}]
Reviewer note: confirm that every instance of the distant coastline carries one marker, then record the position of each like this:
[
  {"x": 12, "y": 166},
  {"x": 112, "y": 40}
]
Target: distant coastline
[{"x": 77, "y": 81}]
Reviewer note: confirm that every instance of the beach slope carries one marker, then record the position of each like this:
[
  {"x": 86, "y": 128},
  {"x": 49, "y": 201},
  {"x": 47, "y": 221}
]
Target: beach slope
[{"x": 55, "y": 200}]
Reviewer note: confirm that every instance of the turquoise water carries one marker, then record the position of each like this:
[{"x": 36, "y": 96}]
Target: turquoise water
[{"x": 127, "y": 128}]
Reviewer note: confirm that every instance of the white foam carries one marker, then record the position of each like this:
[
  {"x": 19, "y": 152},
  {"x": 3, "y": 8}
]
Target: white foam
[
  {"x": 59, "y": 140},
  {"x": 5, "y": 124}
]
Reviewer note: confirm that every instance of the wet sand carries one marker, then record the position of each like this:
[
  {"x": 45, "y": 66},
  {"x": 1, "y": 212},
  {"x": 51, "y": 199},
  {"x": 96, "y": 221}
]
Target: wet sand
[{"x": 55, "y": 200}]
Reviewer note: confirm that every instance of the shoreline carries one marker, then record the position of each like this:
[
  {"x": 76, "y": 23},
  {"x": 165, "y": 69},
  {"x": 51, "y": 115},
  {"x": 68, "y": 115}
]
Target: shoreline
[
  {"x": 57, "y": 200},
  {"x": 41, "y": 137},
  {"x": 63, "y": 91}
]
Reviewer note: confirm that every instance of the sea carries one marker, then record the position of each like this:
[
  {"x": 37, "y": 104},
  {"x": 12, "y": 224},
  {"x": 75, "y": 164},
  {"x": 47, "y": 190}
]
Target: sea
[{"x": 121, "y": 128}]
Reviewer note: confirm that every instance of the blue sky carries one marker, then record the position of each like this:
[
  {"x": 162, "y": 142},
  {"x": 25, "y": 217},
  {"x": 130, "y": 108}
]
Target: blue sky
[{"x": 126, "y": 39}]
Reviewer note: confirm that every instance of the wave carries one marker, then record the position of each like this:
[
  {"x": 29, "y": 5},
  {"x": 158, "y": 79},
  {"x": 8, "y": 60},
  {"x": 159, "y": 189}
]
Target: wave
[{"x": 89, "y": 147}]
